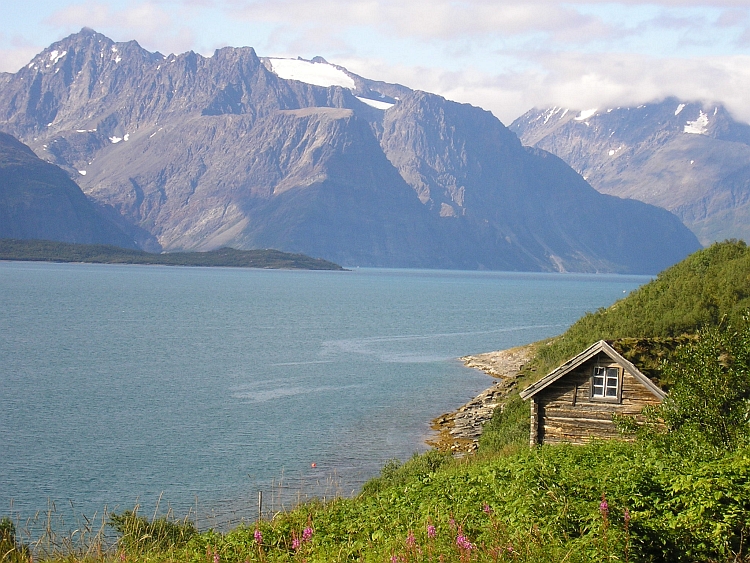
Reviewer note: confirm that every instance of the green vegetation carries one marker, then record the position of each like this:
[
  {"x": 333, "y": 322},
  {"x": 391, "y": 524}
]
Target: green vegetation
[
  {"x": 11, "y": 549},
  {"x": 708, "y": 408},
  {"x": 679, "y": 492},
  {"x": 139, "y": 535},
  {"x": 50, "y": 251},
  {"x": 708, "y": 287}
]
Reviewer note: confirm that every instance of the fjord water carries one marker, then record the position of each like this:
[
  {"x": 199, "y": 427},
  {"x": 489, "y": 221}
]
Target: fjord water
[{"x": 204, "y": 385}]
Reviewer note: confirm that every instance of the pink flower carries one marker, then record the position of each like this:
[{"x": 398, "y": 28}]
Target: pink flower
[
  {"x": 604, "y": 507},
  {"x": 627, "y": 516},
  {"x": 258, "y": 536},
  {"x": 431, "y": 531},
  {"x": 216, "y": 557},
  {"x": 395, "y": 559},
  {"x": 307, "y": 534},
  {"x": 487, "y": 509},
  {"x": 410, "y": 540},
  {"x": 296, "y": 544},
  {"x": 463, "y": 542}
]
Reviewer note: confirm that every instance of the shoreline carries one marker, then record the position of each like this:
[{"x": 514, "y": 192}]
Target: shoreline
[{"x": 458, "y": 431}]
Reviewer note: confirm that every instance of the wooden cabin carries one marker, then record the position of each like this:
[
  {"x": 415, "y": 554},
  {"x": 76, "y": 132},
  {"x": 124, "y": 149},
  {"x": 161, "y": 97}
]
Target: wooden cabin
[{"x": 575, "y": 402}]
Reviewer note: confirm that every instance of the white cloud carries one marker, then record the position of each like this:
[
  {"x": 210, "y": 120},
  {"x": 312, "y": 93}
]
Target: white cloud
[
  {"x": 579, "y": 81},
  {"x": 426, "y": 19},
  {"x": 12, "y": 59}
]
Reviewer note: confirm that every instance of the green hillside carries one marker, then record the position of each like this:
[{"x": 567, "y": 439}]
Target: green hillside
[{"x": 709, "y": 287}]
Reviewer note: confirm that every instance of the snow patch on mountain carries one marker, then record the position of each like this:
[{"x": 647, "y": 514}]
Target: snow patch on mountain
[
  {"x": 377, "y": 104},
  {"x": 318, "y": 74},
  {"x": 679, "y": 109},
  {"x": 585, "y": 114},
  {"x": 699, "y": 126},
  {"x": 56, "y": 55}
]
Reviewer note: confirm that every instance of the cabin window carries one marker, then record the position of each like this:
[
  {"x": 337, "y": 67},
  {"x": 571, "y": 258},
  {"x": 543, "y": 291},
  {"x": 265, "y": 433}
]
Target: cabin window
[{"x": 605, "y": 384}]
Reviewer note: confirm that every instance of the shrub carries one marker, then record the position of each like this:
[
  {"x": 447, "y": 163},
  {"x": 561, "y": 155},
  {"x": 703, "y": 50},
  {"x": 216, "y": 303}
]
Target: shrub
[
  {"x": 139, "y": 534},
  {"x": 709, "y": 404}
]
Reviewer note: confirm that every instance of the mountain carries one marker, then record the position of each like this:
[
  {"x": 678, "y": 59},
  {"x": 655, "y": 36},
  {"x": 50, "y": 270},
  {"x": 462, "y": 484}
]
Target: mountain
[
  {"x": 691, "y": 159},
  {"x": 39, "y": 201},
  {"x": 304, "y": 156}
]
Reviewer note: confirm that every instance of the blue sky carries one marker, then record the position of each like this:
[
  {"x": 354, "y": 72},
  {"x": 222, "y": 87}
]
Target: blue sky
[{"x": 504, "y": 55}]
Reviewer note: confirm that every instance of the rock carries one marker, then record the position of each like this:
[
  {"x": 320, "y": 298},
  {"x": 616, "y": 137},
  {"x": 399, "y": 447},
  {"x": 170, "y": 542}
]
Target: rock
[{"x": 460, "y": 430}]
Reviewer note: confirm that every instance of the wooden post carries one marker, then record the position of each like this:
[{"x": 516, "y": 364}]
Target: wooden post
[
  {"x": 534, "y": 430},
  {"x": 260, "y": 505}
]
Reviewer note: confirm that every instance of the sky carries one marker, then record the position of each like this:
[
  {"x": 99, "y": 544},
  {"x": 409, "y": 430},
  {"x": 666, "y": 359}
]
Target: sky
[{"x": 506, "y": 56}]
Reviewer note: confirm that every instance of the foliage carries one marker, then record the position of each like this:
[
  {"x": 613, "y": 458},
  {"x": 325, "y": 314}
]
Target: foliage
[
  {"x": 606, "y": 501},
  {"x": 508, "y": 427},
  {"x": 709, "y": 405},
  {"x": 11, "y": 550},
  {"x": 394, "y": 473},
  {"x": 138, "y": 534},
  {"x": 50, "y": 251}
]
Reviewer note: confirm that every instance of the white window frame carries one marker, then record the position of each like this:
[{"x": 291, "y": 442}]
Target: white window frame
[{"x": 606, "y": 383}]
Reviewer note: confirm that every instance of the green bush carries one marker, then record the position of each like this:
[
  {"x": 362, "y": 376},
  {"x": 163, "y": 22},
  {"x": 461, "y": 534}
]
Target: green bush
[
  {"x": 138, "y": 534},
  {"x": 11, "y": 550},
  {"x": 395, "y": 473},
  {"x": 508, "y": 427},
  {"x": 708, "y": 407}
]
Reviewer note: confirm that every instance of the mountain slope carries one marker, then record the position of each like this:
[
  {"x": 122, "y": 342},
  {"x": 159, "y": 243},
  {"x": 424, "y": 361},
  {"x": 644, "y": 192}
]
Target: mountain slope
[
  {"x": 691, "y": 160},
  {"x": 304, "y": 156},
  {"x": 39, "y": 201}
]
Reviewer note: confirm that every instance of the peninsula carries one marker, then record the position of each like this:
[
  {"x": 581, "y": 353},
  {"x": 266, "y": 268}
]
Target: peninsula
[{"x": 51, "y": 251}]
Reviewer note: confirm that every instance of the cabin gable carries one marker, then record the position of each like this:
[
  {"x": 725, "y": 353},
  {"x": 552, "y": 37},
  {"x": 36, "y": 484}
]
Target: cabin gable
[{"x": 576, "y": 402}]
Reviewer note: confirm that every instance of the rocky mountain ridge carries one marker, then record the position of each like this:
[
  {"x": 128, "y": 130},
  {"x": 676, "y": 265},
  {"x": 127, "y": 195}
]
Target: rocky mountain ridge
[
  {"x": 682, "y": 156},
  {"x": 205, "y": 152},
  {"x": 39, "y": 201}
]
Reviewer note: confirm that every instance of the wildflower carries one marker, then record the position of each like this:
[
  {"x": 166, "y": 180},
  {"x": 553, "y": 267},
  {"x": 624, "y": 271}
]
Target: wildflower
[
  {"x": 296, "y": 543},
  {"x": 452, "y": 523},
  {"x": 216, "y": 557},
  {"x": 604, "y": 507},
  {"x": 258, "y": 535},
  {"x": 463, "y": 542},
  {"x": 410, "y": 540},
  {"x": 431, "y": 531},
  {"x": 626, "y": 517},
  {"x": 487, "y": 509},
  {"x": 395, "y": 559},
  {"x": 307, "y": 534}
]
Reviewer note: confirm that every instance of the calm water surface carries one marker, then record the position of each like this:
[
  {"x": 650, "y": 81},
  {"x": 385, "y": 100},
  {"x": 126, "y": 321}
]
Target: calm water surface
[{"x": 204, "y": 385}]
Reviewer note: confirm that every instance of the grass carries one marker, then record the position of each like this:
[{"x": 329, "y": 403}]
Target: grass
[{"x": 530, "y": 505}]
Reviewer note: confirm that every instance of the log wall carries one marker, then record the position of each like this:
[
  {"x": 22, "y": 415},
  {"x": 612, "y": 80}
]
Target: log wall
[{"x": 565, "y": 411}]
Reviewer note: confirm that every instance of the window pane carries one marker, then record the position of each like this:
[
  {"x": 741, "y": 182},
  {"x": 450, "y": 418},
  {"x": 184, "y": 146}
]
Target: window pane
[{"x": 612, "y": 380}]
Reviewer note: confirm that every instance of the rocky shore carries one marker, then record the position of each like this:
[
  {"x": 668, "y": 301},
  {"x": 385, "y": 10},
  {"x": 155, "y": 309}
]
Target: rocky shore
[{"x": 459, "y": 431}]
